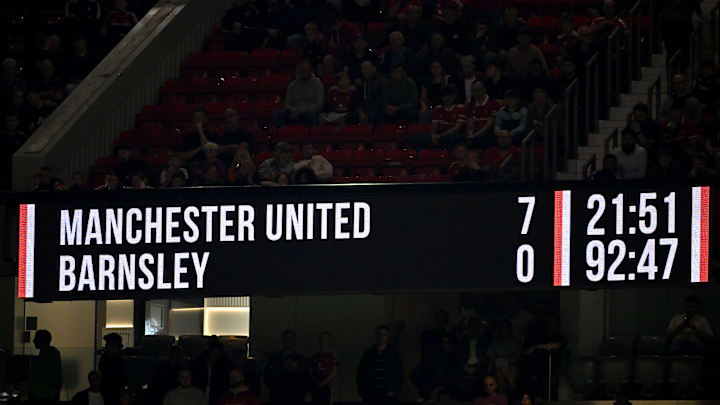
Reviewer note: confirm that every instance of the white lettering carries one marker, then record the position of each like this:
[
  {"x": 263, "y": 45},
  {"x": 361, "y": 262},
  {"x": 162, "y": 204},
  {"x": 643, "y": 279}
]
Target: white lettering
[
  {"x": 194, "y": 234},
  {"x": 294, "y": 221},
  {"x": 113, "y": 226},
  {"x": 278, "y": 223},
  {"x": 310, "y": 221},
  {"x": 94, "y": 230},
  {"x": 180, "y": 270},
  {"x": 171, "y": 225},
  {"x": 341, "y": 220},
  {"x": 87, "y": 274},
  {"x": 153, "y": 226},
  {"x": 70, "y": 232},
  {"x": 147, "y": 282},
  {"x": 67, "y": 272},
  {"x": 161, "y": 285},
  {"x": 209, "y": 211},
  {"x": 107, "y": 267},
  {"x": 135, "y": 238},
  {"x": 246, "y": 216},
  {"x": 323, "y": 207},
  {"x": 200, "y": 267},
  {"x": 126, "y": 272},
  {"x": 226, "y": 223},
  {"x": 365, "y": 209}
]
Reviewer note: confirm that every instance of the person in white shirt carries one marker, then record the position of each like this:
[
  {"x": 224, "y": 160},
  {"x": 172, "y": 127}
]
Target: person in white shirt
[
  {"x": 631, "y": 157},
  {"x": 689, "y": 332},
  {"x": 185, "y": 393},
  {"x": 311, "y": 159},
  {"x": 91, "y": 395}
]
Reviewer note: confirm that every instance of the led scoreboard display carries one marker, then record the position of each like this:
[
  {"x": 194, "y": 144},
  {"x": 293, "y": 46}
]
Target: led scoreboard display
[{"x": 362, "y": 239}]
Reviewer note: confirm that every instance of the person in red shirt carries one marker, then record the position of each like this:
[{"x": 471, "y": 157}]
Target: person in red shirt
[
  {"x": 607, "y": 22},
  {"x": 480, "y": 115},
  {"x": 340, "y": 102},
  {"x": 568, "y": 37},
  {"x": 495, "y": 156},
  {"x": 323, "y": 368},
  {"x": 238, "y": 394},
  {"x": 492, "y": 396},
  {"x": 119, "y": 22},
  {"x": 448, "y": 122}
]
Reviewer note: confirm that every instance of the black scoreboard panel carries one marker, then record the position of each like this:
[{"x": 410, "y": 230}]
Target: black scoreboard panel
[{"x": 361, "y": 239}]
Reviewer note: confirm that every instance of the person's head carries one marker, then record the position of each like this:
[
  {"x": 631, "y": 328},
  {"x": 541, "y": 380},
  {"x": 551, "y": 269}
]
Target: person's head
[
  {"x": 174, "y": 160},
  {"x": 478, "y": 90},
  {"x": 312, "y": 31},
  {"x": 113, "y": 341},
  {"x": 490, "y": 385},
  {"x": 211, "y": 151},
  {"x": 609, "y": 9},
  {"x": 305, "y": 176},
  {"x": 512, "y": 100},
  {"x": 437, "y": 70},
  {"x": 120, "y": 5},
  {"x": 308, "y": 150},
  {"x": 679, "y": 85},
  {"x": 523, "y": 37},
  {"x": 629, "y": 141},
  {"x": 566, "y": 24},
  {"x": 113, "y": 183},
  {"x": 283, "y": 179},
  {"x": 504, "y": 141},
  {"x": 640, "y": 112},
  {"x": 232, "y": 118},
  {"x": 699, "y": 165},
  {"x": 18, "y": 99},
  {"x": 77, "y": 179},
  {"x": 304, "y": 70},
  {"x": 79, "y": 44},
  {"x": 460, "y": 151},
  {"x": 178, "y": 180},
  {"x": 47, "y": 69},
  {"x": 342, "y": 80},
  {"x": 397, "y": 73},
  {"x": 527, "y": 400},
  {"x": 9, "y": 69},
  {"x": 94, "y": 380},
  {"x": 360, "y": 44},
  {"x": 468, "y": 65},
  {"x": 493, "y": 69},
  {"x": 569, "y": 67},
  {"x": 414, "y": 14},
  {"x": 441, "y": 319},
  {"x": 237, "y": 378},
  {"x": 448, "y": 95},
  {"x": 35, "y": 100},
  {"x": 586, "y": 34},
  {"x": 510, "y": 15},
  {"x": 451, "y": 13},
  {"x": 185, "y": 378},
  {"x": 289, "y": 340},
  {"x": 676, "y": 114},
  {"x": 437, "y": 40},
  {"x": 665, "y": 158},
  {"x": 482, "y": 26},
  {"x": 139, "y": 180},
  {"x": 610, "y": 163},
  {"x": 122, "y": 153},
  {"x": 283, "y": 152},
  {"x": 382, "y": 335},
  {"x": 691, "y": 305},
  {"x": 42, "y": 339},
  {"x": 200, "y": 116},
  {"x": 324, "y": 340},
  {"x": 52, "y": 43},
  {"x": 396, "y": 39},
  {"x": 45, "y": 175},
  {"x": 12, "y": 122},
  {"x": 535, "y": 69},
  {"x": 368, "y": 70},
  {"x": 540, "y": 98}
]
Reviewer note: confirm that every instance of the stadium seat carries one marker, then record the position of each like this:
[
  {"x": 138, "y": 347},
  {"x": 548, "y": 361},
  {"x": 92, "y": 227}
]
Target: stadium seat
[
  {"x": 230, "y": 64},
  {"x": 181, "y": 112},
  {"x": 358, "y": 133},
  {"x": 427, "y": 170},
  {"x": 385, "y": 145},
  {"x": 106, "y": 163},
  {"x": 649, "y": 374},
  {"x": 156, "y": 345},
  {"x": 192, "y": 345},
  {"x": 175, "y": 91},
  {"x": 238, "y": 87},
  {"x": 548, "y": 25},
  {"x": 526, "y": 7},
  {"x": 338, "y": 158},
  {"x": 616, "y": 346},
  {"x": 389, "y": 132},
  {"x": 399, "y": 157},
  {"x": 557, "y": 7},
  {"x": 615, "y": 373},
  {"x": 684, "y": 375},
  {"x": 377, "y": 33},
  {"x": 248, "y": 111},
  {"x": 271, "y": 87},
  {"x": 352, "y": 146},
  {"x": 580, "y": 20},
  {"x": 292, "y": 134},
  {"x": 396, "y": 172},
  {"x": 261, "y": 61},
  {"x": 324, "y": 134},
  {"x": 367, "y": 158},
  {"x": 418, "y": 129},
  {"x": 139, "y": 370},
  {"x": 205, "y": 90},
  {"x": 362, "y": 172},
  {"x": 289, "y": 58},
  {"x": 433, "y": 157},
  {"x": 263, "y": 156},
  {"x": 216, "y": 110},
  {"x": 130, "y": 139},
  {"x": 581, "y": 375},
  {"x": 651, "y": 345},
  {"x": 197, "y": 65}
]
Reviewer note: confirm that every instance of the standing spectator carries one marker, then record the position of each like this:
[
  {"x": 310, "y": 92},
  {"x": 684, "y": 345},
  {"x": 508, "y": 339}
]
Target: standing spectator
[
  {"x": 557, "y": 86},
  {"x": 80, "y": 62},
  {"x": 431, "y": 91},
  {"x": 338, "y": 33},
  {"x": 92, "y": 395},
  {"x": 700, "y": 169},
  {"x": 518, "y": 316},
  {"x": 242, "y": 170},
  {"x": 355, "y": 57},
  {"x": 415, "y": 29},
  {"x": 465, "y": 82},
  {"x": 584, "y": 50},
  {"x": 682, "y": 99},
  {"x": 435, "y": 51},
  {"x": 174, "y": 167},
  {"x": 431, "y": 344},
  {"x": 707, "y": 86},
  {"x": 511, "y": 119},
  {"x": 276, "y": 22},
  {"x": 281, "y": 163},
  {"x": 248, "y": 369},
  {"x": 233, "y": 137},
  {"x": 303, "y": 99},
  {"x": 496, "y": 83},
  {"x": 676, "y": 26},
  {"x": 128, "y": 166},
  {"x": 285, "y": 372},
  {"x": 537, "y": 110},
  {"x": 211, "y": 370},
  {"x": 314, "y": 48},
  {"x": 482, "y": 42},
  {"x": 194, "y": 142},
  {"x": 118, "y": 23},
  {"x": 536, "y": 78},
  {"x": 201, "y": 168},
  {"x": 448, "y": 123},
  {"x": 689, "y": 332},
  {"x": 397, "y": 54},
  {"x": 605, "y": 24},
  {"x": 400, "y": 98},
  {"x": 568, "y": 37},
  {"x": 165, "y": 374},
  {"x": 18, "y": 106},
  {"x": 83, "y": 16},
  {"x": 48, "y": 85},
  {"x": 239, "y": 393},
  {"x": 380, "y": 373},
  {"x": 241, "y": 23},
  {"x": 52, "y": 49},
  {"x": 323, "y": 368},
  {"x": 37, "y": 111},
  {"x": 520, "y": 55},
  {"x": 472, "y": 360},
  {"x": 608, "y": 171},
  {"x": 185, "y": 393},
  {"x": 46, "y": 376},
  {"x": 647, "y": 130},
  {"x": 370, "y": 92},
  {"x": 506, "y": 33},
  {"x": 632, "y": 158},
  {"x": 340, "y": 103},
  {"x": 504, "y": 352},
  {"x": 112, "y": 366},
  {"x": 10, "y": 79},
  {"x": 481, "y": 113},
  {"x": 317, "y": 163},
  {"x": 492, "y": 395}
]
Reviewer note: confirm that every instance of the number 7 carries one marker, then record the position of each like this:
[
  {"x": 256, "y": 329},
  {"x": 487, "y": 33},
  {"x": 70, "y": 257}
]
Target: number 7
[
  {"x": 673, "y": 243},
  {"x": 530, "y": 201}
]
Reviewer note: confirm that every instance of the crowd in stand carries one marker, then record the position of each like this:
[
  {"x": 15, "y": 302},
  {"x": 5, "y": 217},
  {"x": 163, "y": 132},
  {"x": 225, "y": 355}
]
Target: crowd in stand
[{"x": 489, "y": 356}]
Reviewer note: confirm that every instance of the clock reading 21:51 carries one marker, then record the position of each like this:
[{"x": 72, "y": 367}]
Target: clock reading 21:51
[{"x": 603, "y": 259}]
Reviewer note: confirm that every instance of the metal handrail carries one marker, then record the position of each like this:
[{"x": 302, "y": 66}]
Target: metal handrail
[
  {"x": 613, "y": 137},
  {"x": 590, "y": 164},
  {"x": 655, "y": 90},
  {"x": 671, "y": 70},
  {"x": 502, "y": 168},
  {"x": 695, "y": 57},
  {"x": 570, "y": 109},
  {"x": 551, "y": 141},
  {"x": 715, "y": 30},
  {"x": 633, "y": 43},
  {"x": 613, "y": 55},
  {"x": 525, "y": 172},
  {"x": 592, "y": 107}
]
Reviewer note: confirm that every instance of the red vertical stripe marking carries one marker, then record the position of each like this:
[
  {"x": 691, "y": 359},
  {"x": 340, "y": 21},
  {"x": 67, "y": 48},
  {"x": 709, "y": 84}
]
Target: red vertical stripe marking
[
  {"x": 704, "y": 233},
  {"x": 22, "y": 245},
  {"x": 557, "y": 248}
]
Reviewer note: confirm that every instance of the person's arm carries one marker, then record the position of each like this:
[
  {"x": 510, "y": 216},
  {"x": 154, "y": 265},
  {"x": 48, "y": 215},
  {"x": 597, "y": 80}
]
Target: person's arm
[
  {"x": 289, "y": 103},
  {"x": 458, "y": 126},
  {"x": 488, "y": 125},
  {"x": 329, "y": 378},
  {"x": 319, "y": 97},
  {"x": 411, "y": 102},
  {"x": 323, "y": 168},
  {"x": 539, "y": 56},
  {"x": 675, "y": 327},
  {"x": 498, "y": 123},
  {"x": 167, "y": 400},
  {"x": 522, "y": 126},
  {"x": 301, "y": 164}
]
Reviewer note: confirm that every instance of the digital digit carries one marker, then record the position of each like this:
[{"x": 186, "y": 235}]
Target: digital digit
[
  {"x": 599, "y": 200},
  {"x": 647, "y": 260},
  {"x": 673, "y": 243},
  {"x": 530, "y": 201},
  {"x": 595, "y": 258},
  {"x": 525, "y": 253},
  {"x": 618, "y": 201},
  {"x": 670, "y": 201},
  {"x": 618, "y": 245},
  {"x": 647, "y": 225}
]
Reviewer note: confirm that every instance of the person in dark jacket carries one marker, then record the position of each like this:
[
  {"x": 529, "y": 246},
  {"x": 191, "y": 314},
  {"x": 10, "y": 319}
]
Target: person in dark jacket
[
  {"x": 400, "y": 98},
  {"x": 211, "y": 370},
  {"x": 285, "y": 373},
  {"x": 91, "y": 395},
  {"x": 112, "y": 369},
  {"x": 164, "y": 377},
  {"x": 46, "y": 371},
  {"x": 370, "y": 92},
  {"x": 380, "y": 372}
]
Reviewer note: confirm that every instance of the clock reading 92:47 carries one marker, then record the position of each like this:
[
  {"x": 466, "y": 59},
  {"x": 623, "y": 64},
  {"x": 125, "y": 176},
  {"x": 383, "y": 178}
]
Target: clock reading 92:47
[{"x": 603, "y": 258}]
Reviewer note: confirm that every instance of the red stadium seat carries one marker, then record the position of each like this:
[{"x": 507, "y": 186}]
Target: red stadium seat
[
  {"x": 272, "y": 84},
  {"x": 263, "y": 156},
  {"x": 337, "y": 172},
  {"x": 400, "y": 157},
  {"x": 362, "y": 172},
  {"x": 377, "y": 33},
  {"x": 351, "y": 146},
  {"x": 238, "y": 85},
  {"x": 323, "y": 146},
  {"x": 106, "y": 163},
  {"x": 261, "y": 61},
  {"x": 324, "y": 133},
  {"x": 358, "y": 133},
  {"x": 385, "y": 145},
  {"x": 580, "y": 20},
  {"x": 557, "y": 7},
  {"x": 548, "y": 25},
  {"x": 290, "y": 58},
  {"x": 181, "y": 112},
  {"x": 230, "y": 64},
  {"x": 175, "y": 91},
  {"x": 206, "y": 90},
  {"x": 367, "y": 158},
  {"x": 151, "y": 116},
  {"x": 248, "y": 111},
  {"x": 416, "y": 129},
  {"x": 396, "y": 172},
  {"x": 216, "y": 110},
  {"x": 292, "y": 134},
  {"x": 432, "y": 157},
  {"x": 526, "y": 7},
  {"x": 427, "y": 170},
  {"x": 389, "y": 132},
  {"x": 338, "y": 158},
  {"x": 197, "y": 65},
  {"x": 549, "y": 50},
  {"x": 131, "y": 139}
]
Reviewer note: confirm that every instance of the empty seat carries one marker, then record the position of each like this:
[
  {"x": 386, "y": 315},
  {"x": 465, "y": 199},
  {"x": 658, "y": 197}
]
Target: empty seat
[
  {"x": 272, "y": 84},
  {"x": 547, "y": 24},
  {"x": 651, "y": 345},
  {"x": 427, "y": 170},
  {"x": 260, "y": 61},
  {"x": 192, "y": 345},
  {"x": 684, "y": 374},
  {"x": 290, "y": 58},
  {"x": 432, "y": 157},
  {"x": 389, "y": 132},
  {"x": 205, "y": 90},
  {"x": 416, "y": 129},
  {"x": 367, "y": 158},
  {"x": 399, "y": 157},
  {"x": 196, "y": 65},
  {"x": 157, "y": 345},
  {"x": 230, "y": 64},
  {"x": 649, "y": 374},
  {"x": 616, "y": 346},
  {"x": 138, "y": 370},
  {"x": 292, "y": 133},
  {"x": 338, "y": 158},
  {"x": 323, "y": 134},
  {"x": 396, "y": 172},
  {"x": 615, "y": 372},
  {"x": 581, "y": 375},
  {"x": 360, "y": 132},
  {"x": 216, "y": 110},
  {"x": 175, "y": 91}
]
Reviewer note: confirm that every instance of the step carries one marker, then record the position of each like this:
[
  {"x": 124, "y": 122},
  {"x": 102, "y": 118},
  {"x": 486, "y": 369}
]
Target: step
[
  {"x": 589, "y": 150},
  {"x": 566, "y": 176},
  {"x": 604, "y": 125},
  {"x": 620, "y": 113},
  {"x": 597, "y": 139},
  {"x": 659, "y": 60},
  {"x": 648, "y": 71},
  {"x": 641, "y": 86}
]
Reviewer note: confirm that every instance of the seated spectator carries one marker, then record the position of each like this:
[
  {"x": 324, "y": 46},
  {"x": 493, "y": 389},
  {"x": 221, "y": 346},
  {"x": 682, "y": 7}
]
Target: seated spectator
[
  {"x": 431, "y": 91},
  {"x": 340, "y": 103},
  {"x": 506, "y": 32},
  {"x": 303, "y": 99},
  {"x": 178, "y": 180},
  {"x": 80, "y": 62},
  {"x": 91, "y": 395},
  {"x": 631, "y": 157},
  {"x": 496, "y": 83},
  {"x": 18, "y": 106},
  {"x": 492, "y": 395},
  {"x": 10, "y": 80},
  {"x": 520, "y": 56},
  {"x": 480, "y": 114},
  {"x": 286, "y": 373},
  {"x": 37, "y": 110},
  {"x": 436, "y": 51},
  {"x": 647, "y": 130},
  {"x": 467, "y": 165},
  {"x": 305, "y": 176},
  {"x": 52, "y": 49},
  {"x": 211, "y": 370},
  {"x": 380, "y": 372},
  {"x": 276, "y": 179},
  {"x": 511, "y": 119},
  {"x": 707, "y": 86},
  {"x": 666, "y": 166},
  {"x": 165, "y": 373},
  {"x": 281, "y": 162},
  {"x": 355, "y": 57},
  {"x": 396, "y": 54},
  {"x": 609, "y": 169},
  {"x": 242, "y": 170},
  {"x": 194, "y": 142},
  {"x": 140, "y": 181},
  {"x": 174, "y": 166},
  {"x": 323, "y": 369},
  {"x": 12, "y": 137},
  {"x": 680, "y": 127},
  {"x": 536, "y": 78},
  {"x": 682, "y": 99},
  {"x": 48, "y": 85},
  {"x": 248, "y": 368},
  {"x": 201, "y": 168},
  {"x": 700, "y": 169},
  {"x": 315, "y": 47},
  {"x": 185, "y": 393},
  {"x": 112, "y": 183},
  {"x": 77, "y": 182},
  {"x": 495, "y": 156},
  {"x": 118, "y": 23},
  {"x": 465, "y": 82},
  {"x": 370, "y": 92},
  {"x": 482, "y": 43},
  {"x": 472, "y": 360},
  {"x": 241, "y": 23},
  {"x": 276, "y": 22},
  {"x": 568, "y": 37},
  {"x": 128, "y": 165},
  {"x": 414, "y": 28},
  {"x": 239, "y": 393},
  {"x": 233, "y": 137},
  {"x": 537, "y": 110},
  {"x": 400, "y": 98},
  {"x": 689, "y": 332},
  {"x": 586, "y": 47},
  {"x": 504, "y": 352},
  {"x": 557, "y": 86},
  {"x": 453, "y": 27},
  {"x": 605, "y": 24},
  {"x": 448, "y": 123},
  {"x": 320, "y": 166}
]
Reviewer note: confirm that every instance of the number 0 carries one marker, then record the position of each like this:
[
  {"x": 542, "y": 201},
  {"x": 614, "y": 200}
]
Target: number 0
[{"x": 525, "y": 274}]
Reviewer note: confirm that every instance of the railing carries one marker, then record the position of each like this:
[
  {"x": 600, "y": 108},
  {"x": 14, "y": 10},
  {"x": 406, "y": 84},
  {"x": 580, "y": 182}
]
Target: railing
[
  {"x": 654, "y": 97},
  {"x": 504, "y": 171},
  {"x": 696, "y": 55},
  {"x": 592, "y": 96},
  {"x": 527, "y": 172},
  {"x": 551, "y": 126},
  {"x": 674, "y": 66},
  {"x": 715, "y": 31},
  {"x": 570, "y": 109},
  {"x": 634, "y": 52},
  {"x": 613, "y": 137},
  {"x": 591, "y": 164},
  {"x": 613, "y": 72}
]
